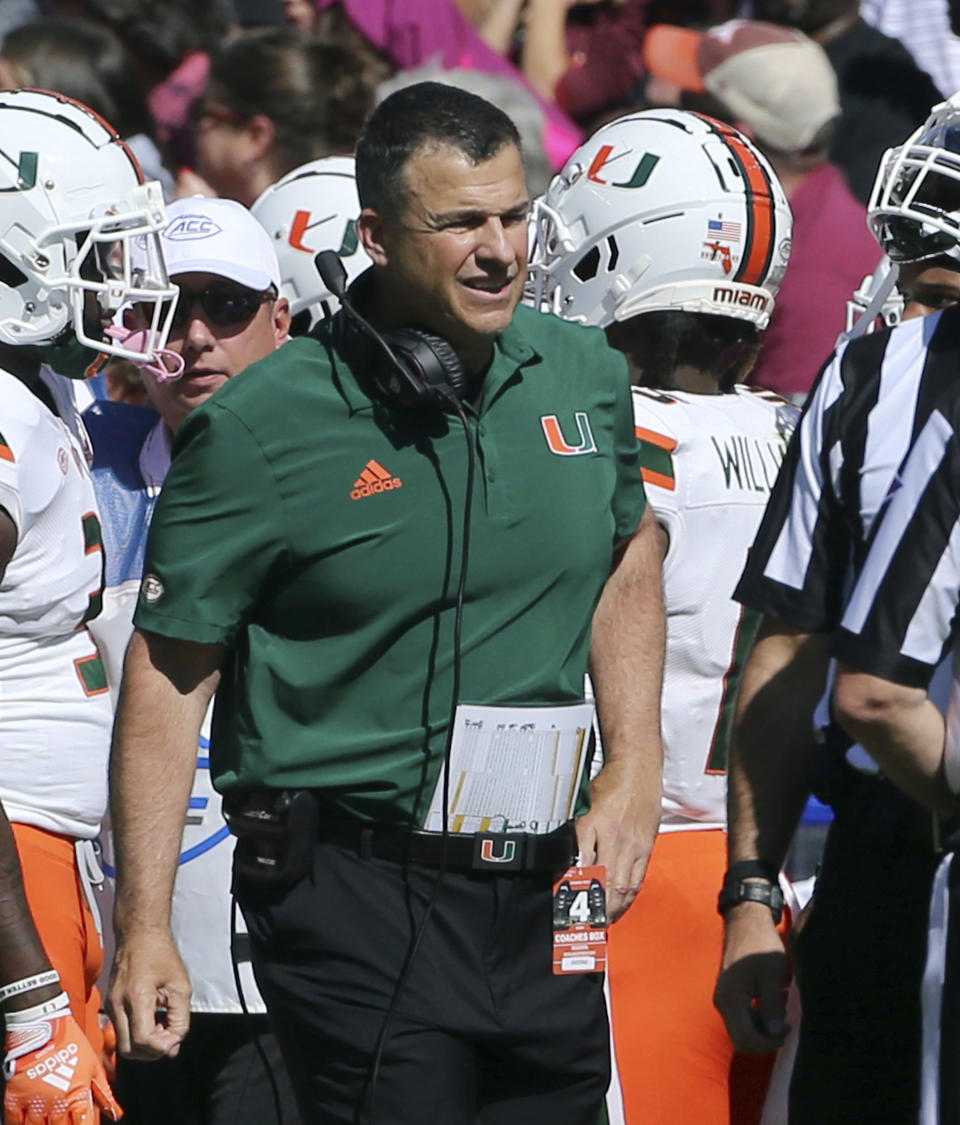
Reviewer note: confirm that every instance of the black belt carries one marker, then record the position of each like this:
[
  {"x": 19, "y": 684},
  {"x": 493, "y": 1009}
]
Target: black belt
[
  {"x": 480, "y": 851},
  {"x": 276, "y": 830}
]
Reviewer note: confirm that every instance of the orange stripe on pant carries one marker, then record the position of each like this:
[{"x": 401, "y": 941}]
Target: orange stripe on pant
[
  {"x": 676, "y": 1062},
  {"x": 67, "y": 928}
]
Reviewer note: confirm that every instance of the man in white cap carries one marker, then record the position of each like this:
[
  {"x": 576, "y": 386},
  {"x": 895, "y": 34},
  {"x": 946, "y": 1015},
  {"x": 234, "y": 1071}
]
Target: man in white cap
[{"x": 229, "y": 315}]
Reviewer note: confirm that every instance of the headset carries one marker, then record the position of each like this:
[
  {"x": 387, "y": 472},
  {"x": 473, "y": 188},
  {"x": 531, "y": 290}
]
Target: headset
[{"x": 421, "y": 369}]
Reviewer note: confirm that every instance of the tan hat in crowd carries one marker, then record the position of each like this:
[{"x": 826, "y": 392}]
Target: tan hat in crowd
[{"x": 775, "y": 79}]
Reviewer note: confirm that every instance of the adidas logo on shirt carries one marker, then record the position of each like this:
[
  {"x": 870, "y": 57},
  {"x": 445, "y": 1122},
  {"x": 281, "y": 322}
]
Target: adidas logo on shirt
[{"x": 372, "y": 480}]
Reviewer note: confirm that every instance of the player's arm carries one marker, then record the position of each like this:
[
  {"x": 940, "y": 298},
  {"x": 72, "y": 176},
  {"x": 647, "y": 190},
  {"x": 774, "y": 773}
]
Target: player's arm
[
  {"x": 500, "y": 24},
  {"x": 900, "y": 620},
  {"x": 22, "y": 956},
  {"x": 626, "y": 666},
  {"x": 544, "y": 57},
  {"x": 903, "y": 730},
  {"x": 768, "y": 785},
  {"x": 37, "y": 1017},
  {"x": 167, "y": 686}
]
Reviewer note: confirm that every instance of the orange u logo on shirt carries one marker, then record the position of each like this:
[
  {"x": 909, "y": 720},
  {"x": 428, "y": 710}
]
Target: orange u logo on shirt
[{"x": 558, "y": 444}]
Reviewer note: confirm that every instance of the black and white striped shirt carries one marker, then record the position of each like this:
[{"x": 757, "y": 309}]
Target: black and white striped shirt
[
  {"x": 873, "y": 397},
  {"x": 901, "y": 617}
]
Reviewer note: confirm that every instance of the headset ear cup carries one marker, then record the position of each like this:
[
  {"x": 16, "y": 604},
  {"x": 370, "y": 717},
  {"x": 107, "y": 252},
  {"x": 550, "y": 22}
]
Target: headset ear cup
[
  {"x": 424, "y": 370},
  {"x": 453, "y": 373},
  {"x": 434, "y": 368}
]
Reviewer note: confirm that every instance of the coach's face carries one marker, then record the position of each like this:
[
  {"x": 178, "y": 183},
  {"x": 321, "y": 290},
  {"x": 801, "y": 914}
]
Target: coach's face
[{"x": 455, "y": 258}]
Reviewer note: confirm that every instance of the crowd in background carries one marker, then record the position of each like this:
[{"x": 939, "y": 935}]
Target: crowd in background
[{"x": 225, "y": 98}]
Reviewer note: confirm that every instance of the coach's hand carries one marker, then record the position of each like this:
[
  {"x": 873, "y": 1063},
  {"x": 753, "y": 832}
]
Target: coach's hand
[
  {"x": 149, "y": 996},
  {"x": 619, "y": 831},
  {"x": 750, "y": 992}
]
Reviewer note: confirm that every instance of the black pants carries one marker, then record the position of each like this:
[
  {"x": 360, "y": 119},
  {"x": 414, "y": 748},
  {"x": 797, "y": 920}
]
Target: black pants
[
  {"x": 482, "y": 1032},
  {"x": 860, "y": 964},
  {"x": 218, "y": 1078}
]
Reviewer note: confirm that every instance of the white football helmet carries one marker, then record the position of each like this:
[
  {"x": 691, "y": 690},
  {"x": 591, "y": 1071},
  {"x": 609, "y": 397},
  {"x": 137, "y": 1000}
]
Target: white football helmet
[
  {"x": 914, "y": 207},
  {"x": 72, "y": 203},
  {"x": 310, "y": 209},
  {"x": 663, "y": 209}
]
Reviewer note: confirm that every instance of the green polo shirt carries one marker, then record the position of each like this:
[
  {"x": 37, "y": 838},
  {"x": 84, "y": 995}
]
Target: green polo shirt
[{"x": 318, "y": 532}]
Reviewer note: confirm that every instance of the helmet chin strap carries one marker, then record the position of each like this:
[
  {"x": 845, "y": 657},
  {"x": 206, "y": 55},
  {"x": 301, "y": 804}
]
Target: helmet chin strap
[{"x": 164, "y": 365}]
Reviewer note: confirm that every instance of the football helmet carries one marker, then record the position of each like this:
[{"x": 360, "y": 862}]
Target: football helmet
[
  {"x": 914, "y": 207},
  {"x": 662, "y": 209},
  {"x": 890, "y": 312},
  {"x": 310, "y": 209},
  {"x": 74, "y": 204}
]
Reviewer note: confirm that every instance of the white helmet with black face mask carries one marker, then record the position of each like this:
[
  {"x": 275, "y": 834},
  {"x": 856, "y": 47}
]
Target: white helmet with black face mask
[
  {"x": 73, "y": 208},
  {"x": 662, "y": 209}
]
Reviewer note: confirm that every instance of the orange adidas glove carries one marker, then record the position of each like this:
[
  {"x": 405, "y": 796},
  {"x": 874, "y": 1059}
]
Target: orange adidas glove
[{"x": 52, "y": 1073}]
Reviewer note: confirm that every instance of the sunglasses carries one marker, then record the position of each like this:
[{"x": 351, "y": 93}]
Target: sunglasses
[{"x": 222, "y": 307}]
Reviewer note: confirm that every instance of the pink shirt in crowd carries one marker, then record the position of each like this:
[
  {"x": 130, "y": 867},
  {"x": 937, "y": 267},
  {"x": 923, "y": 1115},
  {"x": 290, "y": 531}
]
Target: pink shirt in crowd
[
  {"x": 832, "y": 253},
  {"x": 416, "y": 32}
]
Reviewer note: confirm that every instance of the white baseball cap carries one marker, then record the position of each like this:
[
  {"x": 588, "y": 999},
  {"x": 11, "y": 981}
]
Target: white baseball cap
[
  {"x": 218, "y": 236},
  {"x": 774, "y": 78}
]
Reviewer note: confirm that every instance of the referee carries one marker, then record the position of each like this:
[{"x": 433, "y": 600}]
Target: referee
[
  {"x": 898, "y": 626},
  {"x": 859, "y": 996}
]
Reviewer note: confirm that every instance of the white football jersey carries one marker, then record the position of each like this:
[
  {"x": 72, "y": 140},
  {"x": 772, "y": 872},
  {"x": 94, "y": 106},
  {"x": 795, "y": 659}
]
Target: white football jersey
[
  {"x": 709, "y": 462},
  {"x": 55, "y": 712}
]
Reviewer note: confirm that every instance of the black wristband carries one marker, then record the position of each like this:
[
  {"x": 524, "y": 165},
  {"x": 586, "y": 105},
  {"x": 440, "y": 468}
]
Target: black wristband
[
  {"x": 752, "y": 869},
  {"x": 741, "y": 891}
]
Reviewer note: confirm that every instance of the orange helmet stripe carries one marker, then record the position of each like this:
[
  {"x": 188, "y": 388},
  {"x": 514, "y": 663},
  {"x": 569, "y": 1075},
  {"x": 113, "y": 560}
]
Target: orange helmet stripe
[{"x": 761, "y": 227}]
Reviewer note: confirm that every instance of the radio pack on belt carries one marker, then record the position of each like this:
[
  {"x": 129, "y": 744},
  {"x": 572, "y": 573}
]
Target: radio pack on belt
[{"x": 276, "y": 831}]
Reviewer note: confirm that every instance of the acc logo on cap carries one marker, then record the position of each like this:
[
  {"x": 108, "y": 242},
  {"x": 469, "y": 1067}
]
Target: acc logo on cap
[{"x": 185, "y": 228}]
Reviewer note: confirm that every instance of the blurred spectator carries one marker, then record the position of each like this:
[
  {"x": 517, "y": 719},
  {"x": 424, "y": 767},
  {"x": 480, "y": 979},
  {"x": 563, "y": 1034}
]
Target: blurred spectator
[
  {"x": 422, "y": 31},
  {"x": 333, "y": 25},
  {"x": 510, "y": 95},
  {"x": 776, "y": 85},
  {"x": 301, "y": 13},
  {"x": 884, "y": 95},
  {"x": 274, "y": 100},
  {"x": 585, "y": 55},
  {"x": 258, "y": 13},
  {"x": 87, "y": 62},
  {"x": 169, "y": 44},
  {"x": 15, "y": 12},
  {"x": 923, "y": 27}
]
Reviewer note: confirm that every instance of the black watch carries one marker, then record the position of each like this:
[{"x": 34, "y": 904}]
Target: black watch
[{"x": 739, "y": 890}]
